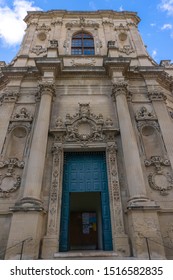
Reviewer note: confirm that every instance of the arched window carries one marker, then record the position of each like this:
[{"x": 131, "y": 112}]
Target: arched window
[{"x": 82, "y": 44}]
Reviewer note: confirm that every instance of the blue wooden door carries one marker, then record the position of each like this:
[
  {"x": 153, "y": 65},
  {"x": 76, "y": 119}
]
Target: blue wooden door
[{"x": 85, "y": 172}]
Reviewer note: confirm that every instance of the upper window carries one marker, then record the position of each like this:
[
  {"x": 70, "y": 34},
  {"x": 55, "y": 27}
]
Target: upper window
[{"x": 82, "y": 44}]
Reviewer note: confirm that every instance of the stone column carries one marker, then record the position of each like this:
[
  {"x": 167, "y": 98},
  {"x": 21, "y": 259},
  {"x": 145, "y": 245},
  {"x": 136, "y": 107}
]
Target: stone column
[
  {"x": 132, "y": 161},
  {"x": 28, "y": 213},
  {"x": 36, "y": 161},
  {"x": 165, "y": 122}
]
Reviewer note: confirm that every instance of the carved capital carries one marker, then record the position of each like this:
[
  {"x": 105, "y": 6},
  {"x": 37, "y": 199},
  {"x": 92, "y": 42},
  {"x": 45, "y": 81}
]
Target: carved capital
[
  {"x": 119, "y": 88},
  {"x": 156, "y": 96},
  {"x": 47, "y": 88}
]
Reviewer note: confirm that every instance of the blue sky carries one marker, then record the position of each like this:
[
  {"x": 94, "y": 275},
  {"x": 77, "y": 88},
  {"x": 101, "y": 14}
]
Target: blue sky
[{"x": 156, "y": 26}]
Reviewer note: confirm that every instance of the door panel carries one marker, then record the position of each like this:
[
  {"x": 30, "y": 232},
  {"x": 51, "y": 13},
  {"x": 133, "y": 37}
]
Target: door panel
[{"x": 85, "y": 172}]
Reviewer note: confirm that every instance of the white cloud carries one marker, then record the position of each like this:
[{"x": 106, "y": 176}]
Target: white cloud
[
  {"x": 121, "y": 9},
  {"x": 167, "y": 6},
  {"x": 154, "y": 53},
  {"x": 166, "y": 26},
  {"x": 12, "y": 25}
]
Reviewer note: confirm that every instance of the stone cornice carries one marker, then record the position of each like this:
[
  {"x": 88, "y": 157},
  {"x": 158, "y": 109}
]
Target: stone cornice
[{"x": 76, "y": 14}]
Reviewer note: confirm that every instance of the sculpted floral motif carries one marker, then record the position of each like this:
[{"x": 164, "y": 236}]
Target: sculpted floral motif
[
  {"x": 156, "y": 95},
  {"x": 9, "y": 96}
]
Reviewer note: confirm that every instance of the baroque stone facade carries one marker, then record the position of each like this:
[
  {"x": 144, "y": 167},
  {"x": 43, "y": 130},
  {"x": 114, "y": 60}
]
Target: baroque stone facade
[{"x": 83, "y": 84}]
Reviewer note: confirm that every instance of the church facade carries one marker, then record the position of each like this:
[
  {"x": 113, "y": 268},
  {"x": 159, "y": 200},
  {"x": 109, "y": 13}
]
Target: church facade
[{"x": 86, "y": 141}]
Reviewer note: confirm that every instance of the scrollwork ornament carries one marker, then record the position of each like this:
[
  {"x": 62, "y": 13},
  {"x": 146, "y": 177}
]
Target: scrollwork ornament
[{"x": 167, "y": 182}]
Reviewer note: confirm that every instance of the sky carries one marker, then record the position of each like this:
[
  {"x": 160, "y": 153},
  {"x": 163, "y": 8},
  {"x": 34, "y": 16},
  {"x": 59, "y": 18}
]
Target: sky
[{"x": 156, "y": 26}]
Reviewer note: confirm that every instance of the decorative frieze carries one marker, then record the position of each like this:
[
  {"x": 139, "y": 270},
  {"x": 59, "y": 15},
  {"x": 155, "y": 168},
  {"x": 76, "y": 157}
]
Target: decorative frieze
[
  {"x": 43, "y": 27},
  {"x": 82, "y": 22},
  {"x": 9, "y": 180},
  {"x": 83, "y": 62}
]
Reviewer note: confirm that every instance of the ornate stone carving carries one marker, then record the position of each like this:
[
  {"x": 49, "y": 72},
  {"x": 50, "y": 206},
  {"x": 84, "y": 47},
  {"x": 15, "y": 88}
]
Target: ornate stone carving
[
  {"x": 144, "y": 114},
  {"x": 38, "y": 49},
  {"x": 82, "y": 22},
  {"x": 107, "y": 22},
  {"x": 43, "y": 27},
  {"x": 156, "y": 96},
  {"x": 119, "y": 88},
  {"x": 9, "y": 181},
  {"x": 121, "y": 27},
  {"x": 83, "y": 62},
  {"x": 9, "y": 96},
  {"x": 53, "y": 44},
  {"x": 56, "y": 22},
  {"x": 42, "y": 36},
  {"x": 127, "y": 49},
  {"x": 114, "y": 189},
  {"x": 84, "y": 127},
  {"x": 160, "y": 180},
  {"x": 46, "y": 87},
  {"x": 55, "y": 193},
  {"x": 23, "y": 115}
]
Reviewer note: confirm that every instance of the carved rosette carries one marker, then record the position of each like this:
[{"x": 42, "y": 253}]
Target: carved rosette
[
  {"x": 9, "y": 180},
  {"x": 114, "y": 190},
  {"x": 55, "y": 192},
  {"x": 160, "y": 180}
]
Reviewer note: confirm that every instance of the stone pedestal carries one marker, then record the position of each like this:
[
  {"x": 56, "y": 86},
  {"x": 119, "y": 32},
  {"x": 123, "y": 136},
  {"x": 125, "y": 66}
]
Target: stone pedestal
[
  {"x": 145, "y": 233},
  {"x": 25, "y": 235}
]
